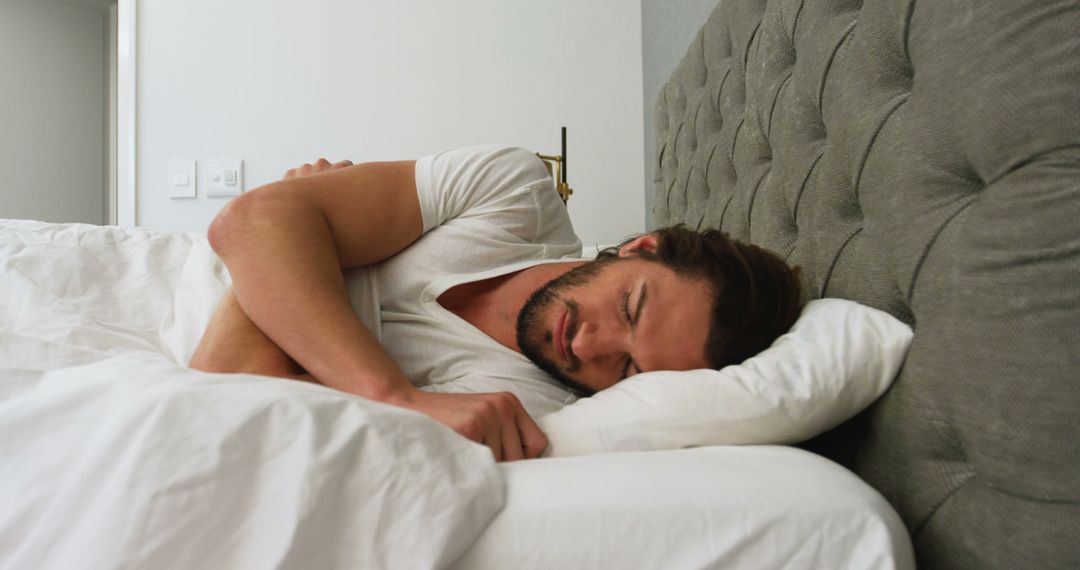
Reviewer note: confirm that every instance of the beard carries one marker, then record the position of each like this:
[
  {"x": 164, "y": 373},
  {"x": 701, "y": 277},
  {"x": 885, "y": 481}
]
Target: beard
[{"x": 533, "y": 334}]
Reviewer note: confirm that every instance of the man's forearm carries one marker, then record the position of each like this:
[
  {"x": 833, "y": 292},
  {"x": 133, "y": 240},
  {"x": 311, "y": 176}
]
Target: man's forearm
[{"x": 288, "y": 279}]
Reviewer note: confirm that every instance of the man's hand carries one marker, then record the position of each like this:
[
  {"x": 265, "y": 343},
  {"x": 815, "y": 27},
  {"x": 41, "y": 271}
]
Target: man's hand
[
  {"x": 497, "y": 420},
  {"x": 321, "y": 165}
]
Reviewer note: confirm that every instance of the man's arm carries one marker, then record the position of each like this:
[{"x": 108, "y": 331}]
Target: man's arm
[{"x": 286, "y": 244}]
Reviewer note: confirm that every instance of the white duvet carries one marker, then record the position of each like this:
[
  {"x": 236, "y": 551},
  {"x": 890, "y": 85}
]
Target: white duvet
[{"x": 114, "y": 454}]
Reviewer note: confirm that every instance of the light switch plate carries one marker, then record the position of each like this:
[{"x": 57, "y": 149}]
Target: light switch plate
[
  {"x": 224, "y": 177},
  {"x": 182, "y": 178}
]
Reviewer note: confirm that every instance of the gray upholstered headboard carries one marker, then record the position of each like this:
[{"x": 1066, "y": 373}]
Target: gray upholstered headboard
[{"x": 922, "y": 158}]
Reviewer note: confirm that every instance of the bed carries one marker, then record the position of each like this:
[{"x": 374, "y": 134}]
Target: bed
[{"x": 117, "y": 455}]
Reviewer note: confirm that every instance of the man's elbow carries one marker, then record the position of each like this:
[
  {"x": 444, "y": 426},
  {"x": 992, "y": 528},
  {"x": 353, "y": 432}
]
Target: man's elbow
[{"x": 234, "y": 220}]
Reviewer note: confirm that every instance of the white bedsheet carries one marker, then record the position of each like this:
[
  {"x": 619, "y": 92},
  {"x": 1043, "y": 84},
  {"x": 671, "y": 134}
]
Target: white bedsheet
[
  {"x": 113, "y": 454},
  {"x": 752, "y": 507}
]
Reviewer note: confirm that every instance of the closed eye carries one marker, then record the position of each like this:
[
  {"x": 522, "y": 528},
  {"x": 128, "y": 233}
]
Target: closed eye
[{"x": 629, "y": 368}]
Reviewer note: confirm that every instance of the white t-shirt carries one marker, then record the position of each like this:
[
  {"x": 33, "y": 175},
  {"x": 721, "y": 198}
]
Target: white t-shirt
[{"x": 487, "y": 211}]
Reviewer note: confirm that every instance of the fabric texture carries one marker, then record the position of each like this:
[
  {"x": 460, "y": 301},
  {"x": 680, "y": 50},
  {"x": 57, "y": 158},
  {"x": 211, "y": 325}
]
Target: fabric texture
[
  {"x": 719, "y": 507},
  {"x": 487, "y": 211},
  {"x": 924, "y": 159},
  {"x": 114, "y": 454},
  {"x": 834, "y": 362}
]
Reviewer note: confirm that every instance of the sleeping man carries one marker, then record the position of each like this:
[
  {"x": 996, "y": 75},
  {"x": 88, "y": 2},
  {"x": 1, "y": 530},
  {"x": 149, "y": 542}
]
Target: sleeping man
[{"x": 463, "y": 296}]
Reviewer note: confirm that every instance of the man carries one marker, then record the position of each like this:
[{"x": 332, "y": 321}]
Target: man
[{"x": 463, "y": 279}]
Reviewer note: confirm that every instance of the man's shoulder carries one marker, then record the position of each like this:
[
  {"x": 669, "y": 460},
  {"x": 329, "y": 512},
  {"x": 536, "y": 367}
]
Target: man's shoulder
[
  {"x": 469, "y": 180},
  {"x": 471, "y": 174},
  {"x": 501, "y": 186},
  {"x": 503, "y": 159}
]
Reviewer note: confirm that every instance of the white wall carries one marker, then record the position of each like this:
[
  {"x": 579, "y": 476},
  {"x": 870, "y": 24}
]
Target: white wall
[
  {"x": 279, "y": 83},
  {"x": 52, "y": 111}
]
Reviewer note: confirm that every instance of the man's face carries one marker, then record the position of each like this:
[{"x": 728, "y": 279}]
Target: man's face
[{"x": 606, "y": 320}]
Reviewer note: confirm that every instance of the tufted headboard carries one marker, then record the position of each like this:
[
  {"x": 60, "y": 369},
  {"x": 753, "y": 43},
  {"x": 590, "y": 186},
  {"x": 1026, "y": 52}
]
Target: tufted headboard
[{"x": 922, "y": 158}]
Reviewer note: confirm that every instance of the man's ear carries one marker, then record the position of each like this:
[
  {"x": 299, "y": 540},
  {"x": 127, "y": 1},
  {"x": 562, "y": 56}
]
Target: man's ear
[{"x": 645, "y": 242}]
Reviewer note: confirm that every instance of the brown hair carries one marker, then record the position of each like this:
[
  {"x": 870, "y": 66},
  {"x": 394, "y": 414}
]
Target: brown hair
[{"x": 757, "y": 295}]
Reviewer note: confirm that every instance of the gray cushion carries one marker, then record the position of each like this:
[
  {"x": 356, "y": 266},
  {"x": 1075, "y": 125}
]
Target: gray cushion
[{"x": 922, "y": 158}]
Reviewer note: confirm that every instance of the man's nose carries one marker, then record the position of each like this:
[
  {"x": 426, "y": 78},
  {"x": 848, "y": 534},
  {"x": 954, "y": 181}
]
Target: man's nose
[{"x": 594, "y": 342}]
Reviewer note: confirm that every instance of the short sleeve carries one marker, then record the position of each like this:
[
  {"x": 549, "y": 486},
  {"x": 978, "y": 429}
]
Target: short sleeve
[{"x": 453, "y": 182}]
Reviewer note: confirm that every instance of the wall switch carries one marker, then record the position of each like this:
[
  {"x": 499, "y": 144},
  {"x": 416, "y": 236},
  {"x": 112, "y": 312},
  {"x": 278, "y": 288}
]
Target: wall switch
[
  {"x": 224, "y": 177},
  {"x": 182, "y": 178}
]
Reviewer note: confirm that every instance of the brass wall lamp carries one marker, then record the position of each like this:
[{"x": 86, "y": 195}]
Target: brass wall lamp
[{"x": 558, "y": 162}]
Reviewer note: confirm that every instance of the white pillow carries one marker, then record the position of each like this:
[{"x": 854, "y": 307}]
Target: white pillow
[{"x": 836, "y": 360}]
